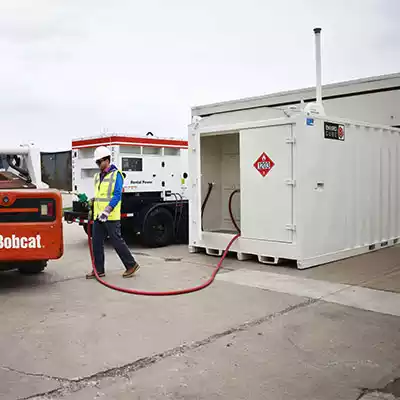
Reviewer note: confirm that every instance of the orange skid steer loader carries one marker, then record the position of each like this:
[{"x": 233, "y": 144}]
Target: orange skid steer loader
[{"x": 31, "y": 219}]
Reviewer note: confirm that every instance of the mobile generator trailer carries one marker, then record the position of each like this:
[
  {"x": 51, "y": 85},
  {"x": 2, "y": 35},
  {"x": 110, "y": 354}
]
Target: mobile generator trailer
[{"x": 154, "y": 199}]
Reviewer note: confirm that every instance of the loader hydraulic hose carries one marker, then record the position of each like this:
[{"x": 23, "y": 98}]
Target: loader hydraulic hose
[{"x": 207, "y": 283}]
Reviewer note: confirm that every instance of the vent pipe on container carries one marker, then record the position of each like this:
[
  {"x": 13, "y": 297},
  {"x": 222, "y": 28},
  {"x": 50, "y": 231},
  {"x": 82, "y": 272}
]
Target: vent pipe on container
[
  {"x": 317, "y": 32},
  {"x": 317, "y": 107}
]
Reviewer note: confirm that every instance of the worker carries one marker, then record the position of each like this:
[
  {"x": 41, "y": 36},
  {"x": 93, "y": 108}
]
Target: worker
[{"x": 107, "y": 215}]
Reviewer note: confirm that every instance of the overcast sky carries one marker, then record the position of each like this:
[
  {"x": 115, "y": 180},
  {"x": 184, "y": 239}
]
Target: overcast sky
[{"x": 74, "y": 68}]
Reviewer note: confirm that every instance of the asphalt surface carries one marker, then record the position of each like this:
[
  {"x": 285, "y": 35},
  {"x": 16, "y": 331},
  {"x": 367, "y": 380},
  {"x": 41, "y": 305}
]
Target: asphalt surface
[{"x": 65, "y": 337}]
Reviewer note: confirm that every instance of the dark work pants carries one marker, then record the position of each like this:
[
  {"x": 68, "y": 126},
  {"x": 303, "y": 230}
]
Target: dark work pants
[{"x": 112, "y": 229}]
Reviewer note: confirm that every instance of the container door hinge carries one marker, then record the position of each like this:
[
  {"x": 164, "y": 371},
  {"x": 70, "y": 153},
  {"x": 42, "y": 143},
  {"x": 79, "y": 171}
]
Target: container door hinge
[
  {"x": 290, "y": 227},
  {"x": 290, "y": 182},
  {"x": 291, "y": 140}
]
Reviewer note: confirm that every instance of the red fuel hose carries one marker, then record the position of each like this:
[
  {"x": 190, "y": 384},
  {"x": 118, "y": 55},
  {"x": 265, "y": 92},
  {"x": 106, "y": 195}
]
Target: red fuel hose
[
  {"x": 207, "y": 283},
  {"x": 166, "y": 293}
]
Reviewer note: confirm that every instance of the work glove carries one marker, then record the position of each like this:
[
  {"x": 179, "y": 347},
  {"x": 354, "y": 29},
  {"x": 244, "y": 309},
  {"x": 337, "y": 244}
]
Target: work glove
[{"x": 103, "y": 216}]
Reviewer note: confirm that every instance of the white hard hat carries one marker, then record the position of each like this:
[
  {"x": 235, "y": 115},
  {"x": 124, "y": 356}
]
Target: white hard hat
[{"x": 101, "y": 152}]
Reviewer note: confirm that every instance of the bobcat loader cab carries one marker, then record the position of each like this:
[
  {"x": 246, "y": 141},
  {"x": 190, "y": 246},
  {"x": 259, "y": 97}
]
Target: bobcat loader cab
[{"x": 31, "y": 230}]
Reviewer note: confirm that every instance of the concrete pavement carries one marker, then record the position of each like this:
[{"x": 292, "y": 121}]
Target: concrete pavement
[{"x": 63, "y": 336}]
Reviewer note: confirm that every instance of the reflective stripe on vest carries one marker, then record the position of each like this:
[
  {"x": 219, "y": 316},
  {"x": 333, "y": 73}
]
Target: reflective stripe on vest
[{"x": 104, "y": 191}]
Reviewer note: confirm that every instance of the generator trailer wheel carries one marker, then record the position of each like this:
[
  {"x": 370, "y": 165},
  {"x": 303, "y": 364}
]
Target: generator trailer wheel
[{"x": 158, "y": 227}]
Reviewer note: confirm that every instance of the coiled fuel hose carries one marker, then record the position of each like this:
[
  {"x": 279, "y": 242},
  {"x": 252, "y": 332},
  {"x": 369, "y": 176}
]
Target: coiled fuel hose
[{"x": 207, "y": 283}]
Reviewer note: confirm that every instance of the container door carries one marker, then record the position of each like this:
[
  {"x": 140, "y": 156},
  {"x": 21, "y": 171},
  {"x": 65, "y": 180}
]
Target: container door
[{"x": 266, "y": 167}]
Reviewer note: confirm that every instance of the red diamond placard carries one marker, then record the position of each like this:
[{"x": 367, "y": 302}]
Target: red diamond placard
[{"x": 263, "y": 164}]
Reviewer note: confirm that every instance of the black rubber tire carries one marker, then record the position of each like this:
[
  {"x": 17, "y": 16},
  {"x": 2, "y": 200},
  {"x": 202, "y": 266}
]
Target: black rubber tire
[
  {"x": 158, "y": 228},
  {"x": 32, "y": 267}
]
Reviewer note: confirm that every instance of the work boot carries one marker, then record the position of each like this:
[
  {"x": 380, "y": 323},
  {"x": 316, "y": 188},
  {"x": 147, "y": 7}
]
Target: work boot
[
  {"x": 91, "y": 275},
  {"x": 130, "y": 271}
]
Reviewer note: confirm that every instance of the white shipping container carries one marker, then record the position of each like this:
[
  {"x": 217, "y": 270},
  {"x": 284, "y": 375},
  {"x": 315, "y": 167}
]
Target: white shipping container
[{"x": 312, "y": 189}]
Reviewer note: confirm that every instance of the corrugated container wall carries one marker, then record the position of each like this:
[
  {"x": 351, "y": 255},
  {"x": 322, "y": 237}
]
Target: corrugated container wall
[
  {"x": 349, "y": 191},
  {"x": 312, "y": 189}
]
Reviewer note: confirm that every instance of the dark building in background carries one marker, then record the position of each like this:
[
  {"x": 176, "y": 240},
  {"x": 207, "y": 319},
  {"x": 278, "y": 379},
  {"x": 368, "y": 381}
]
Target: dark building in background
[{"x": 57, "y": 170}]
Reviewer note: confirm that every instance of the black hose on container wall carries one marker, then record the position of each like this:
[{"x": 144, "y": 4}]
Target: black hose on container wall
[
  {"x": 205, "y": 201},
  {"x": 230, "y": 209}
]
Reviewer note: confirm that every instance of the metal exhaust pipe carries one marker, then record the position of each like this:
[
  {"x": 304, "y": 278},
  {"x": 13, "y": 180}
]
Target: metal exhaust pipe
[{"x": 317, "y": 32}]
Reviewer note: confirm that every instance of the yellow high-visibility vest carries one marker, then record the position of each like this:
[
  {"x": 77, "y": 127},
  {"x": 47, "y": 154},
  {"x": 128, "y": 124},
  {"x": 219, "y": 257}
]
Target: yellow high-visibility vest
[{"x": 103, "y": 194}]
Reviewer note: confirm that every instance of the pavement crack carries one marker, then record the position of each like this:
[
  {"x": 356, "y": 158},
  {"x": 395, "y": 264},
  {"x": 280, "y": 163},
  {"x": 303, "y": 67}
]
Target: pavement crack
[
  {"x": 75, "y": 385},
  {"x": 32, "y": 374},
  {"x": 392, "y": 388}
]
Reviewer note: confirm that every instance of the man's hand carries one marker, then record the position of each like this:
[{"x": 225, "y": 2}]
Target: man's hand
[{"x": 103, "y": 217}]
